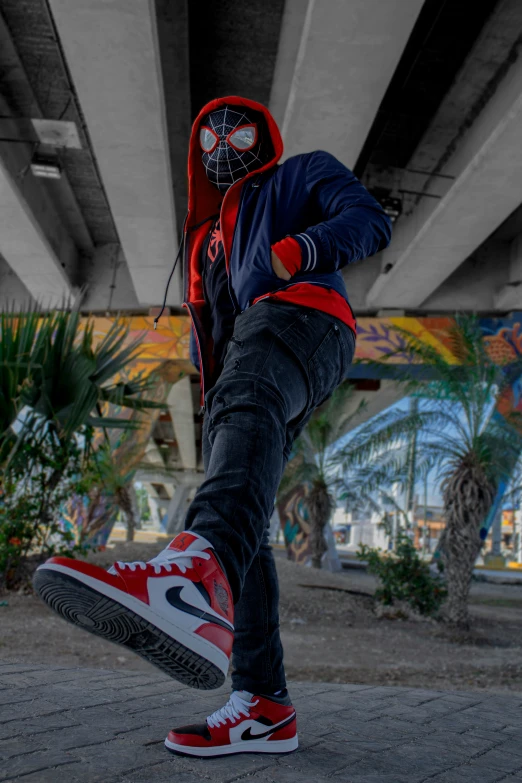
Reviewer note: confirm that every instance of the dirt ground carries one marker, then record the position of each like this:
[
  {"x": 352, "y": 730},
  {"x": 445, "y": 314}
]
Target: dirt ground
[{"x": 328, "y": 634}]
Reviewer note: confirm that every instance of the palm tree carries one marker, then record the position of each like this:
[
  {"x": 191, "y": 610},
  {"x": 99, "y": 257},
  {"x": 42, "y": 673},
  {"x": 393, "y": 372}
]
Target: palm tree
[
  {"x": 312, "y": 462},
  {"x": 55, "y": 380},
  {"x": 113, "y": 479},
  {"x": 458, "y": 433},
  {"x": 57, "y": 385}
]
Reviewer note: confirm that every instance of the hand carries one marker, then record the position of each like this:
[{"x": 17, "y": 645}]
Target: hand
[{"x": 279, "y": 268}]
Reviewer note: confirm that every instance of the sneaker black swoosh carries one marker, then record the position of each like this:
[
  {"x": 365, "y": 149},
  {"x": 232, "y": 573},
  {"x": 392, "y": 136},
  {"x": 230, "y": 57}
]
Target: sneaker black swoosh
[
  {"x": 174, "y": 598},
  {"x": 247, "y": 734}
]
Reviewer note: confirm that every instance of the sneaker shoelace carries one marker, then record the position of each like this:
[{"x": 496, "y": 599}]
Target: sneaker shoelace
[
  {"x": 233, "y": 709},
  {"x": 165, "y": 560}
]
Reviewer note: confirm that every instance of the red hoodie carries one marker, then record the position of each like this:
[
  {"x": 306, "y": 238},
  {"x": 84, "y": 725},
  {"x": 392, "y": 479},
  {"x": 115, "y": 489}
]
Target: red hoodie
[{"x": 205, "y": 200}]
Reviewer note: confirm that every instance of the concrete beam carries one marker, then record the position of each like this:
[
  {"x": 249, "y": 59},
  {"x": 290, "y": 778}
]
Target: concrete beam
[
  {"x": 487, "y": 165},
  {"x": 33, "y": 240},
  {"x": 510, "y": 296},
  {"x": 108, "y": 281},
  {"x": 60, "y": 191},
  {"x": 112, "y": 54},
  {"x": 181, "y": 409},
  {"x": 334, "y": 64},
  {"x": 13, "y": 293},
  {"x": 153, "y": 457}
]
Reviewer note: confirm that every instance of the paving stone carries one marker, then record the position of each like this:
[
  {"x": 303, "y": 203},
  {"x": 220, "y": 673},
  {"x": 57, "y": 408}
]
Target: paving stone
[
  {"x": 512, "y": 746},
  {"x": 27, "y": 708},
  {"x": 35, "y": 762},
  {"x": 159, "y": 773},
  {"x": 499, "y": 759},
  {"x": 31, "y": 726},
  {"x": 68, "y": 773},
  {"x": 326, "y": 758},
  {"x": 420, "y": 761},
  {"x": 469, "y": 773},
  {"x": 350, "y": 777},
  {"x": 19, "y": 746},
  {"x": 6, "y": 668},
  {"x": 357, "y": 745},
  {"x": 276, "y": 774},
  {"x": 96, "y": 726},
  {"x": 463, "y": 743}
]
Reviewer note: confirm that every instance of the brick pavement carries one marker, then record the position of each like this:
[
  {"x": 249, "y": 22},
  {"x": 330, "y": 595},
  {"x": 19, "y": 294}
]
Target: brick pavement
[{"x": 77, "y": 725}]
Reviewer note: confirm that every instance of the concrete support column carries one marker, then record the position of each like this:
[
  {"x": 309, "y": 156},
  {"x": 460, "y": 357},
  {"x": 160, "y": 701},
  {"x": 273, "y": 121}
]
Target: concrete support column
[
  {"x": 154, "y": 511},
  {"x": 177, "y": 510},
  {"x": 331, "y": 560},
  {"x": 182, "y": 414},
  {"x": 518, "y": 536},
  {"x": 496, "y": 535}
]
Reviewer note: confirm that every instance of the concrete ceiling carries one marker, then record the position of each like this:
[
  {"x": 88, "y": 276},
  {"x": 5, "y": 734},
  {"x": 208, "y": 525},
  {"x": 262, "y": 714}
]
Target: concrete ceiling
[
  {"x": 389, "y": 86},
  {"x": 116, "y": 70},
  {"x": 329, "y": 82},
  {"x": 473, "y": 141}
]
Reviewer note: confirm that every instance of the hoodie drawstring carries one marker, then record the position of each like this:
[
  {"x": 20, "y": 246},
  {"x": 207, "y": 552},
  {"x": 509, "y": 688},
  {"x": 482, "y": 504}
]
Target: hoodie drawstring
[{"x": 180, "y": 248}]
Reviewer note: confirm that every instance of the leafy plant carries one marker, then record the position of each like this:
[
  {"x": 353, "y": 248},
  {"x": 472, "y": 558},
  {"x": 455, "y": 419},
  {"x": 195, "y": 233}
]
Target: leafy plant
[
  {"x": 30, "y": 509},
  {"x": 471, "y": 448},
  {"x": 58, "y": 383},
  {"x": 403, "y": 576}
]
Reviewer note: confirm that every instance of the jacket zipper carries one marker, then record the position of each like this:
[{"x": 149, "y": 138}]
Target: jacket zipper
[
  {"x": 235, "y": 303},
  {"x": 233, "y": 299}
]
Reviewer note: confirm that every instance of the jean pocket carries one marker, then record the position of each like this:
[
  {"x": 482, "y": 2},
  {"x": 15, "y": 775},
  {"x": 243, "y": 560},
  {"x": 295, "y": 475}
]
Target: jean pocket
[{"x": 326, "y": 366}]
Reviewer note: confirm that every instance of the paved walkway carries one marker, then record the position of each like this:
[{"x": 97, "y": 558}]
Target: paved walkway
[{"x": 71, "y": 725}]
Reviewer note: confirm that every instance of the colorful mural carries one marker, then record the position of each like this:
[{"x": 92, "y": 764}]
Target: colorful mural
[
  {"x": 376, "y": 337},
  {"x": 167, "y": 351},
  {"x": 293, "y": 515},
  {"x": 503, "y": 337},
  {"x": 169, "y": 343}
]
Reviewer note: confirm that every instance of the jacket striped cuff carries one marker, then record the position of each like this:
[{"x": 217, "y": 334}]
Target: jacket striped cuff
[
  {"x": 308, "y": 252},
  {"x": 289, "y": 253}
]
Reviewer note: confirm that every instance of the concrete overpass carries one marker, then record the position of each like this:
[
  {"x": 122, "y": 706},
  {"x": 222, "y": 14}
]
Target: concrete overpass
[{"x": 421, "y": 98}]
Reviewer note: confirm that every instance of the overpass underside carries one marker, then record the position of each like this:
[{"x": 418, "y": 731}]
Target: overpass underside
[{"x": 421, "y": 98}]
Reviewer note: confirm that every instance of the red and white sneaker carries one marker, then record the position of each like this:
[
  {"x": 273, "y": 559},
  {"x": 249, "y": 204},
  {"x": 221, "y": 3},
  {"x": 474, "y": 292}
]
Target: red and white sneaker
[
  {"x": 246, "y": 724},
  {"x": 176, "y": 611}
]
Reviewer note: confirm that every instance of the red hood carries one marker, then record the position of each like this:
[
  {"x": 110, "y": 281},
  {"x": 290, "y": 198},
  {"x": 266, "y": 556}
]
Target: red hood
[{"x": 204, "y": 199}]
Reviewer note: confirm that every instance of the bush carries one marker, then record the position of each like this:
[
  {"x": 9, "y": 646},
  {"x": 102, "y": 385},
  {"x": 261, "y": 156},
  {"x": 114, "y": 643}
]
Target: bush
[
  {"x": 30, "y": 512},
  {"x": 403, "y": 576}
]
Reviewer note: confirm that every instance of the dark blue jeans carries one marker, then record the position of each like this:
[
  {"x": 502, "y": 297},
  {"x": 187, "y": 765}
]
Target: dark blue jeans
[{"x": 282, "y": 361}]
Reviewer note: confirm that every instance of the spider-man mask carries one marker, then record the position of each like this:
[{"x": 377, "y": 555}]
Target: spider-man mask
[{"x": 234, "y": 142}]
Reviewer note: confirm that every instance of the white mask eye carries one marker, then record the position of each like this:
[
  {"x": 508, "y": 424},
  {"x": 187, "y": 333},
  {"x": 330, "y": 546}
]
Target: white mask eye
[
  {"x": 243, "y": 138},
  {"x": 207, "y": 139}
]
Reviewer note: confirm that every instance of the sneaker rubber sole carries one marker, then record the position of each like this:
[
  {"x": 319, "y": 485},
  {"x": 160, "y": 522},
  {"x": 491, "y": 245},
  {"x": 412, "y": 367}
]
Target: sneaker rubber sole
[
  {"x": 236, "y": 748},
  {"x": 86, "y": 608}
]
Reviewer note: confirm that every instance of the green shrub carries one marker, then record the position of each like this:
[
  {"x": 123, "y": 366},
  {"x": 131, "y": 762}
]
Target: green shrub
[
  {"x": 30, "y": 511},
  {"x": 403, "y": 576}
]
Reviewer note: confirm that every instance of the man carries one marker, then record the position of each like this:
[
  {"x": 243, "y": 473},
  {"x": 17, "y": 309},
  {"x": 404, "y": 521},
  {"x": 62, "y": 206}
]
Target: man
[{"x": 273, "y": 335}]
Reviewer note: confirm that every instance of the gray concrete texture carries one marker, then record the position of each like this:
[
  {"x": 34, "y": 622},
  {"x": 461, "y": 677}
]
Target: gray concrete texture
[
  {"x": 62, "y": 724},
  {"x": 116, "y": 71}
]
